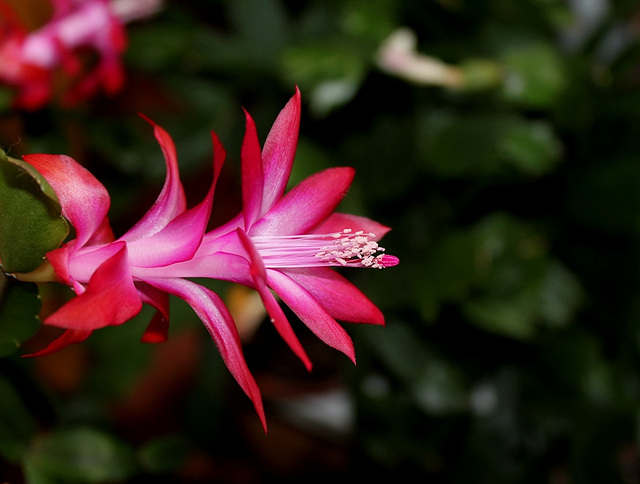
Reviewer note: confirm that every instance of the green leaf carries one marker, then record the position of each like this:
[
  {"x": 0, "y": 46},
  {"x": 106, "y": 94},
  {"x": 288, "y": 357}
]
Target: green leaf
[
  {"x": 535, "y": 75},
  {"x": 164, "y": 454},
  {"x": 31, "y": 222},
  {"x": 82, "y": 455},
  {"x": 532, "y": 146},
  {"x": 369, "y": 20},
  {"x": 436, "y": 384},
  {"x": 514, "y": 317},
  {"x": 331, "y": 72},
  {"x": 19, "y": 307},
  {"x": 448, "y": 274},
  {"x": 489, "y": 144}
]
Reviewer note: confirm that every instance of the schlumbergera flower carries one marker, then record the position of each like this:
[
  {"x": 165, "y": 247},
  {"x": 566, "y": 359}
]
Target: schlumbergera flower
[
  {"x": 287, "y": 243},
  {"x": 29, "y": 60}
]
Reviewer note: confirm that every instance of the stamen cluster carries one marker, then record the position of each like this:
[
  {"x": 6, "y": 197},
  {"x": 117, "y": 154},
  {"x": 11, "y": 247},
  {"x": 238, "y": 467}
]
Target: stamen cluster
[
  {"x": 357, "y": 248},
  {"x": 346, "y": 248}
]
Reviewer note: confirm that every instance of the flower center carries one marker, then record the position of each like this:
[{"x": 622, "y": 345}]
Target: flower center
[{"x": 346, "y": 249}]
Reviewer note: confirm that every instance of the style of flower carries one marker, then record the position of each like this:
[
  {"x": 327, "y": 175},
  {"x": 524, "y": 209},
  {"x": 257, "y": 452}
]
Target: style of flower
[
  {"x": 29, "y": 60},
  {"x": 285, "y": 242}
]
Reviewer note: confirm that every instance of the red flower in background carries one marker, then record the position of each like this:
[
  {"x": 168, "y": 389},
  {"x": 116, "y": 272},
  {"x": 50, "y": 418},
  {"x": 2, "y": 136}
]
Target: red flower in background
[
  {"x": 286, "y": 242},
  {"x": 29, "y": 61}
]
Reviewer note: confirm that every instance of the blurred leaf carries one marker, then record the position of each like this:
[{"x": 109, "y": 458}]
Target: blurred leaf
[
  {"x": 163, "y": 455},
  {"x": 435, "y": 383},
  {"x": 559, "y": 295},
  {"x": 481, "y": 74},
  {"x": 531, "y": 146},
  {"x": 19, "y": 308},
  {"x": 522, "y": 287},
  {"x": 448, "y": 275},
  {"x": 535, "y": 75},
  {"x": 508, "y": 317},
  {"x": 31, "y": 222},
  {"x": 17, "y": 425},
  {"x": 262, "y": 25},
  {"x": 158, "y": 46},
  {"x": 330, "y": 71},
  {"x": 500, "y": 273},
  {"x": 370, "y": 20},
  {"x": 488, "y": 144},
  {"x": 81, "y": 455}
]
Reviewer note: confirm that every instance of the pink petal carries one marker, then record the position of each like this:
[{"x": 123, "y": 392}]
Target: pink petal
[
  {"x": 337, "y": 222},
  {"x": 59, "y": 260},
  {"x": 218, "y": 321},
  {"x": 82, "y": 263},
  {"x": 279, "y": 151},
  {"x": 311, "y": 312},
  {"x": 337, "y": 295},
  {"x": 158, "y": 329},
  {"x": 67, "y": 338},
  {"x": 211, "y": 237},
  {"x": 110, "y": 298},
  {"x": 307, "y": 204},
  {"x": 84, "y": 200},
  {"x": 177, "y": 241},
  {"x": 279, "y": 320},
  {"x": 219, "y": 155},
  {"x": 171, "y": 200},
  {"x": 218, "y": 265},
  {"x": 252, "y": 181},
  {"x": 103, "y": 234}
]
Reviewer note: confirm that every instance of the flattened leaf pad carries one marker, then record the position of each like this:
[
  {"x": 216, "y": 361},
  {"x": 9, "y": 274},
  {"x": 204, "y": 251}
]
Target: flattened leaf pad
[{"x": 31, "y": 223}]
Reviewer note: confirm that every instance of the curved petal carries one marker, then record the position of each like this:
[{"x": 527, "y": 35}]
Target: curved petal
[
  {"x": 82, "y": 263},
  {"x": 337, "y": 222},
  {"x": 311, "y": 312},
  {"x": 279, "y": 151},
  {"x": 337, "y": 295},
  {"x": 177, "y": 241},
  {"x": 218, "y": 321},
  {"x": 67, "y": 338},
  {"x": 307, "y": 204},
  {"x": 252, "y": 176},
  {"x": 59, "y": 260},
  {"x": 210, "y": 238},
  {"x": 279, "y": 320},
  {"x": 219, "y": 155},
  {"x": 216, "y": 265},
  {"x": 103, "y": 234},
  {"x": 110, "y": 298},
  {"x": 158, "y": 329},
  {"x": 171, "y": 200},
  {"x": 84, "y": 200}
]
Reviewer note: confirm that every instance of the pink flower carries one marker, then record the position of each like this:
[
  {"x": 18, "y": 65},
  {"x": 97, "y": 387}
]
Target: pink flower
[
  {"x": 29, "y": 60},
  {"x": 284, "y": 242}
]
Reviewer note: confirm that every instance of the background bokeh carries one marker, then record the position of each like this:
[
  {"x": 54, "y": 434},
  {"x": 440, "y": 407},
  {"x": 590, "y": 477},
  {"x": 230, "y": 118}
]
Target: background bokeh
[{"x": 511, "y": 352}]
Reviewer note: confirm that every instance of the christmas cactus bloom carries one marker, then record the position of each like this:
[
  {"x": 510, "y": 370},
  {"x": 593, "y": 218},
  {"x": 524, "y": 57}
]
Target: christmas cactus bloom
[
  {"x": 285, "y": 242},
  {"x": 291, "y": 241},
  {"x": 29, "y": 60}
]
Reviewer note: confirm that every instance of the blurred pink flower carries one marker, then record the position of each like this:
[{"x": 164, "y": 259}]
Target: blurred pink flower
[
  {"x": 29, "y": 60},
  {"x": 286, "y": 242}
]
